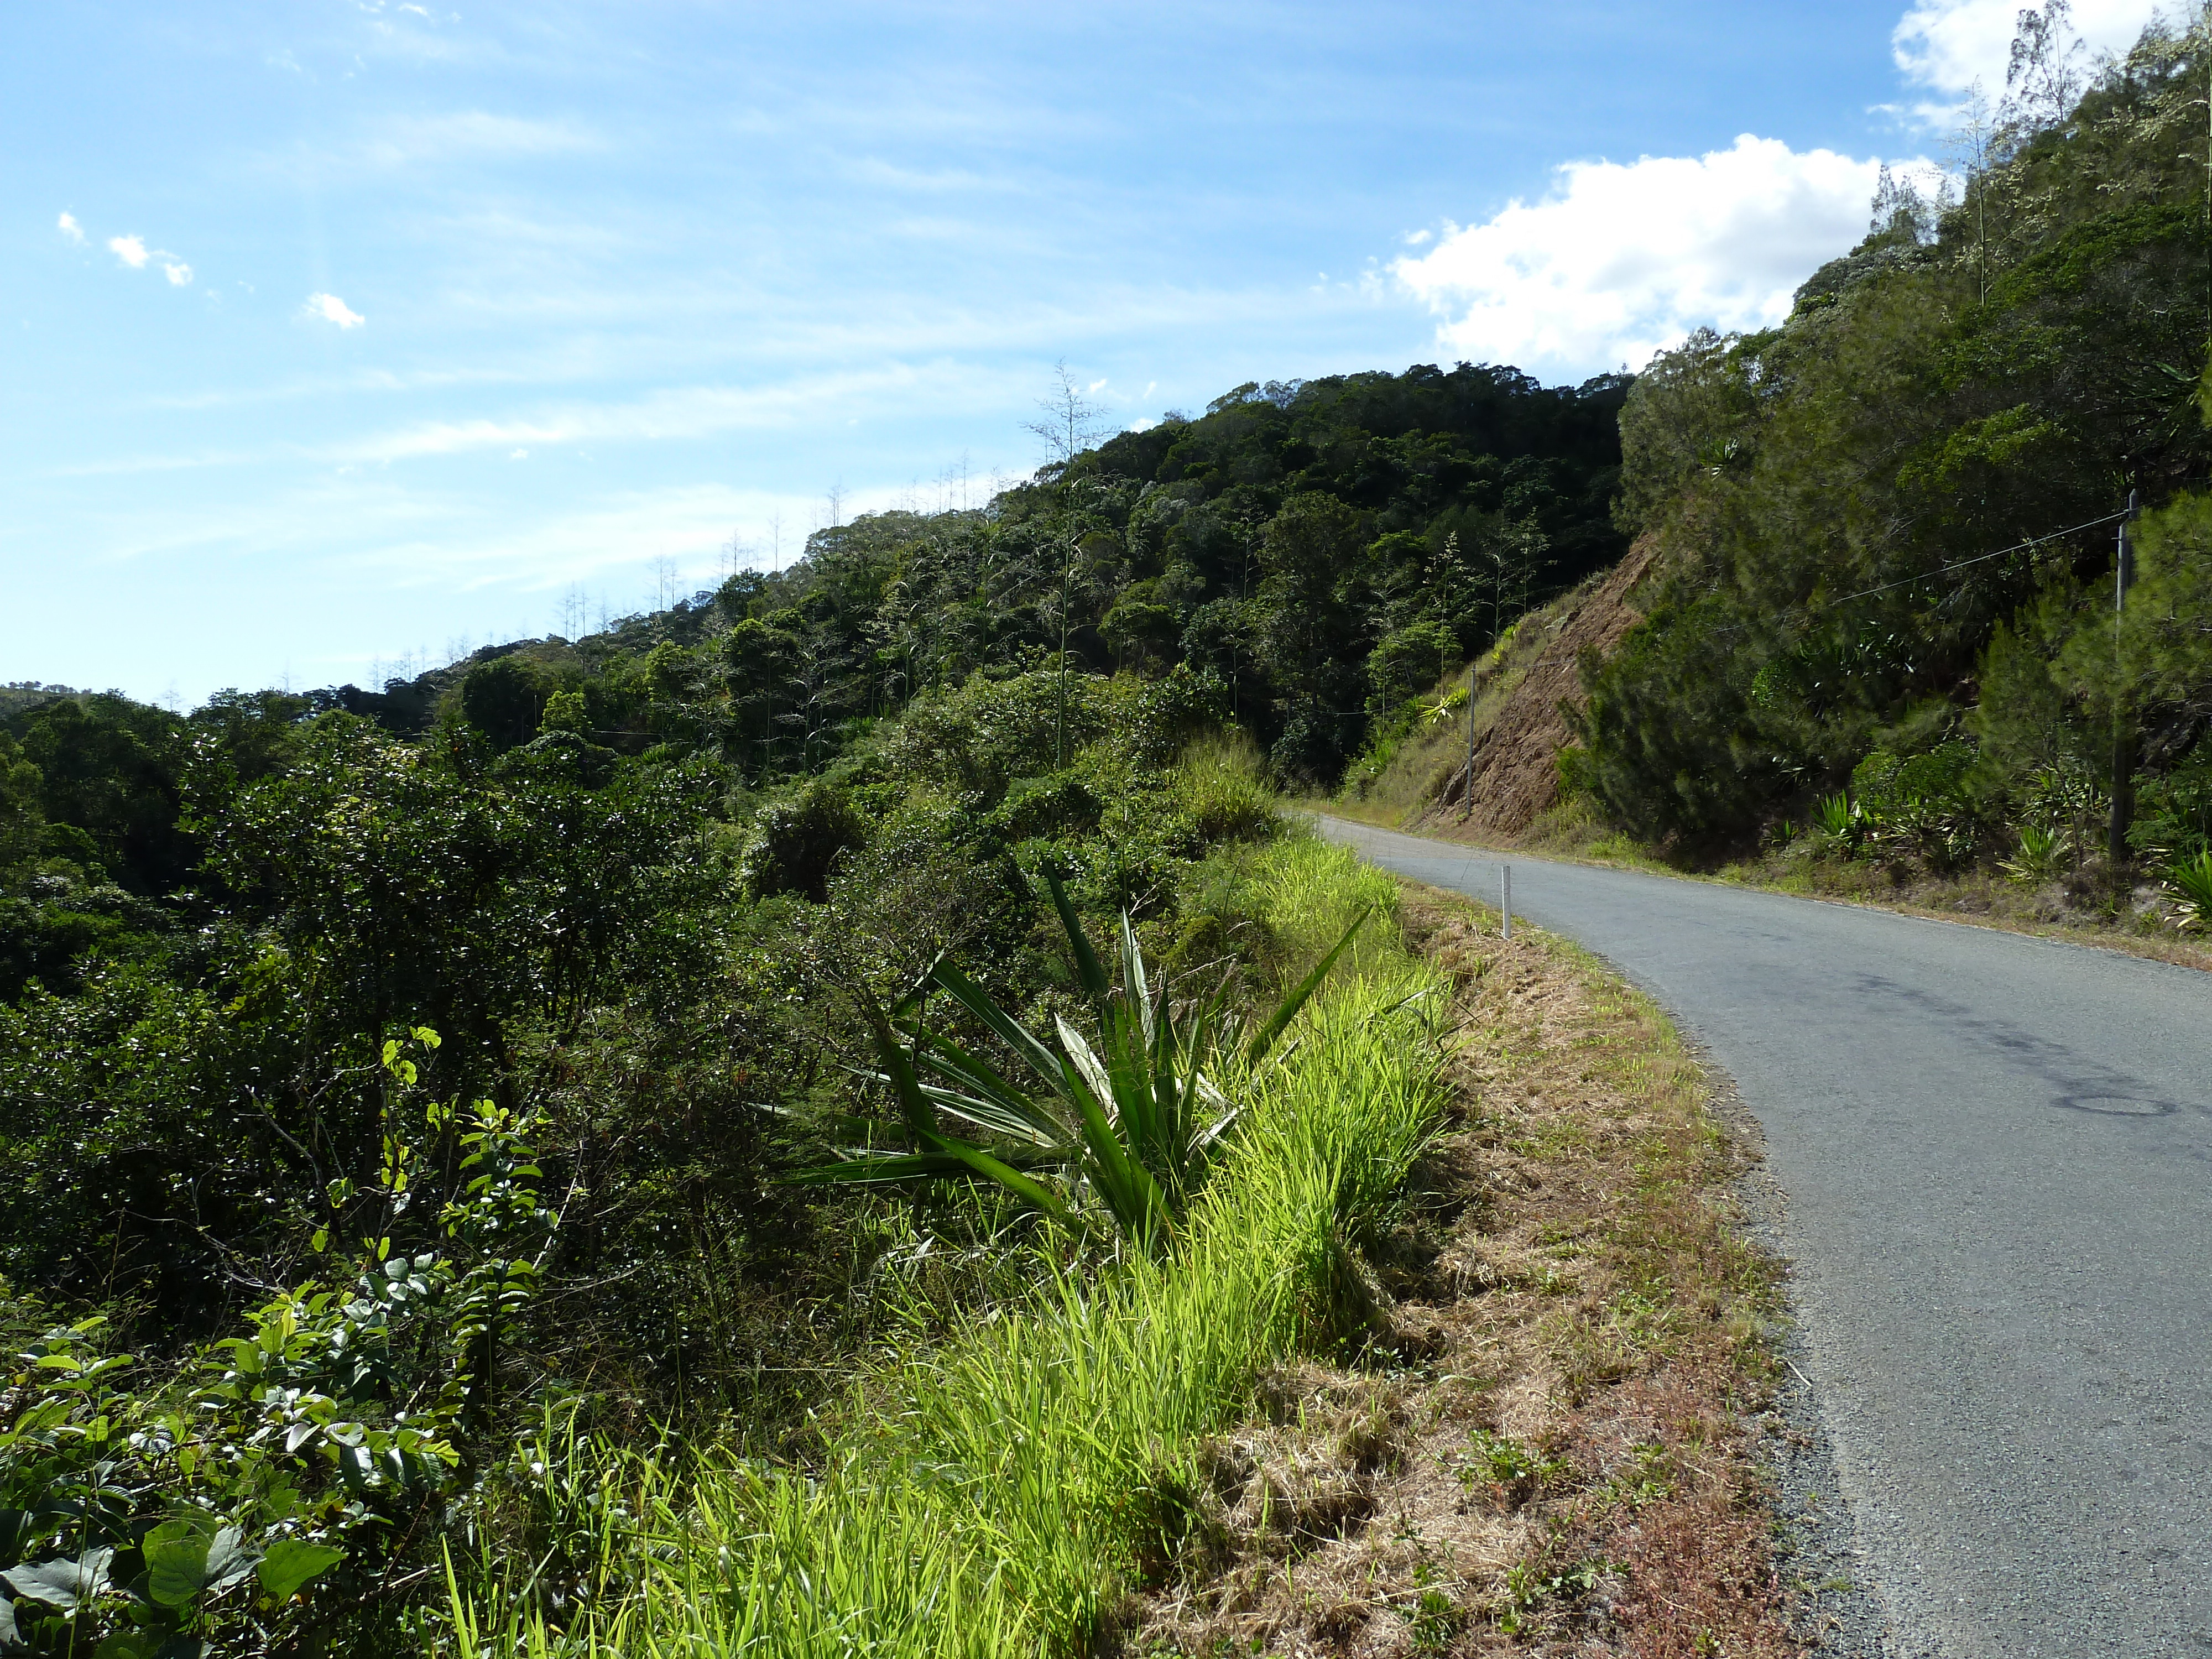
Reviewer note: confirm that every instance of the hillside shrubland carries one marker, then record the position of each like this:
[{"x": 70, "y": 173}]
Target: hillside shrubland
[
  {"x": 399, "y": 1086},
  {"x": 639, "y": 1142},
  {"x": 1881, "y": 622}
]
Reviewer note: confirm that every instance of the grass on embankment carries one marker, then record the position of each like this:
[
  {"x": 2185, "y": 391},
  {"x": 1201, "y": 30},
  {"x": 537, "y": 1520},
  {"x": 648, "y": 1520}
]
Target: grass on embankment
[
  {"x": 1551, "y": 1442},
  {"x": 1004, "y": 1491}
]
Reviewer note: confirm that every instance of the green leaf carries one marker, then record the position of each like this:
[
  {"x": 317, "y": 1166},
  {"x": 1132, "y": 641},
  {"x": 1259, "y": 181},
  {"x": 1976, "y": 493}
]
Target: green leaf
[
  {"x": 1135, "y": 990},
  {"x": 1006, "y": 1174},
  {"x": 229, "y": 1559},
  {"x": 190, "y": 1556},
  {"x": 977, "y": 1002},
  {"x": 63, "y": 1583},
  {"x": 177, "y": 1559},
  {"x": 890, "y": 1166},
  {"x": 292, "y": 1562},
  {"x": 1264, "y": 1039},
  {"x": 1088, "y": 968}
]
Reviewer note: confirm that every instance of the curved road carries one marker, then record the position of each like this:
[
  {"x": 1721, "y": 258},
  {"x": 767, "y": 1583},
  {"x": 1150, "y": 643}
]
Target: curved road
[{"x": 1996, "y": 1152}]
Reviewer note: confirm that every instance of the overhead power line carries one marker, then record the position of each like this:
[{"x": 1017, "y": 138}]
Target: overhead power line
[
  {"x": 1807, "y": 610},
  {"x": 1979, "y": 558}
]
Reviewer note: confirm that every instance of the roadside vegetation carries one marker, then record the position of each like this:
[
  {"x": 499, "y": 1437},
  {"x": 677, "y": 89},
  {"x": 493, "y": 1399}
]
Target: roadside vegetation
[
  {"x": 1003, "y": 1486},
  {"x": 1550, "y": 1440},
  {"x": 1877, "y": 652},
  {"x": 474, "y": 1151},
  {"x": 835, "y": 1114}
]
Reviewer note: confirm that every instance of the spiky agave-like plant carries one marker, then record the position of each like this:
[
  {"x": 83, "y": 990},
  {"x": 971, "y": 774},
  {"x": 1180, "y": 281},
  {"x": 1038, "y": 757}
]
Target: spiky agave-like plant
[
  {"x": 2189, "y": 881},
  {"x": 1133, "y": 1118}
]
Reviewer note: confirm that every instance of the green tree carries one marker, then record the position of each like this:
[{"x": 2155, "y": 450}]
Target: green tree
[
  {"x": 22, "y": 822},
  {"x": 111, "y": 768},
  {"x": 504, "y": 699},
  {"x": 1310, "y": 634}
]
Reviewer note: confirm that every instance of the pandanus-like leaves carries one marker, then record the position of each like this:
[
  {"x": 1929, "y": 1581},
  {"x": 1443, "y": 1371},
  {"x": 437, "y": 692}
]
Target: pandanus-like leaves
[
  {"x": 1131, "y": 1119},
  {"x": 2190, "y": 881}
]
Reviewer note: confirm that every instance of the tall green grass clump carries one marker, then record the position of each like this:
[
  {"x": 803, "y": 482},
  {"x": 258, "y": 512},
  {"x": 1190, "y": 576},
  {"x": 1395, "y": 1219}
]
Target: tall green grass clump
[
  {"x": 1308, "y": 891},
  {"x": 1000, "y": 1492},
  {"x": 1219, "y": 781}
]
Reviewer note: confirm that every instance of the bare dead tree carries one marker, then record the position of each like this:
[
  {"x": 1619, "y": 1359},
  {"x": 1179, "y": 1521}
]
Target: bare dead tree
[{"x": 1069, "y": 424}]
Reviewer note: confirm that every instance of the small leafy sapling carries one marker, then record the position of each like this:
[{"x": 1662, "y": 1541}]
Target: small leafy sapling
[{"x": 275, "y": 1461}]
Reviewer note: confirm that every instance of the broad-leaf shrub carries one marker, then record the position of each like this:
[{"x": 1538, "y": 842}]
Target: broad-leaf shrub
[{"x": 244, "y": 1500}]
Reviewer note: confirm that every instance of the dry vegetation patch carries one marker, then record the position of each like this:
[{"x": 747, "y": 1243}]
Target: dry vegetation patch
[
  {"x": 2078, "y": 908},
  {"x": 1542, "y": 1445}
]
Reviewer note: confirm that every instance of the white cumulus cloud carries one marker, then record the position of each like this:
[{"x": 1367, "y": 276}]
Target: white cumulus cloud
[
  {"x": 1622, "y": 260},
  {"x": 1947, "y": 45},
  {"x": 329, "y": 308},
  {"x": 179, "y": 273},
  {"x": 132, "y": 250},
  {"x": 68, "y": 225}
]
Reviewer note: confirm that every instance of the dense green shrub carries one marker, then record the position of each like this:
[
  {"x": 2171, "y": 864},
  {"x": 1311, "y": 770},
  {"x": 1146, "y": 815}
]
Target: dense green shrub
[
  {"x": 1903, "y": 494},
  {"x": 796, "y": 843},
  {"x": 254, "y": 1495}
]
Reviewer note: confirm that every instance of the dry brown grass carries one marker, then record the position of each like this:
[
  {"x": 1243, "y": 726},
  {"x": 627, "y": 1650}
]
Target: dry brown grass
[
  {"x": 1541, "y": 1449},
  {"x": 2078, "y": 909},
  {"x": 2075, "y": 911}
]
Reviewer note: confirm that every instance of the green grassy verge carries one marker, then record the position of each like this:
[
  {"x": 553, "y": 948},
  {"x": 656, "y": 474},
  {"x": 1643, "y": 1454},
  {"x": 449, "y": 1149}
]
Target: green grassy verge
[{"x": 1002, "y": 1490}]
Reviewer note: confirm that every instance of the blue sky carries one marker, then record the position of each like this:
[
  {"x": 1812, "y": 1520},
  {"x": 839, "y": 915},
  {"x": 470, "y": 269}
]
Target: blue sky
[{"x": 341, "y": 336}]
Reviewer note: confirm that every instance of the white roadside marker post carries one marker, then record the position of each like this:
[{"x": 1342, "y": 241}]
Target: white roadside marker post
[{"x": 1505, "y": 900}]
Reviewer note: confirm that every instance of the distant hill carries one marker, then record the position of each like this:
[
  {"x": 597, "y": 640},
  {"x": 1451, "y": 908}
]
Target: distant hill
[
  {"x": 20, "y": 695},
  {"x": 1320, "y": 550}
]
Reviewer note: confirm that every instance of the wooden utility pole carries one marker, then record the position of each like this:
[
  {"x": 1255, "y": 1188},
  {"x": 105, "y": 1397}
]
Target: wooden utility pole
[{"x": 2123, "y": 759}]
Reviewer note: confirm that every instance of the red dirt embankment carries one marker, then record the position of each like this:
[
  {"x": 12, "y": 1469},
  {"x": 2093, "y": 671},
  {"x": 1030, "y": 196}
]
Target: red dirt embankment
[{"x": 1516, "y": 772}]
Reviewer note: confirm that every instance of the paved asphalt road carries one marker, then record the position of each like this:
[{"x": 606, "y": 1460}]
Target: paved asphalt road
[{"x": 1997, "y": 1157}]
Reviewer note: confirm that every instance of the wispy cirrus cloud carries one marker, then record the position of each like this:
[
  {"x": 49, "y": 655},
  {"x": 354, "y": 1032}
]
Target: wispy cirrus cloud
[
  {"x": 476, "y": 134},
  {"x": 365, "y": 379},
  {"x": 678, "y": 413},
  {"x": 608, "y": 536},
  {"x": 674, "y": 415}
]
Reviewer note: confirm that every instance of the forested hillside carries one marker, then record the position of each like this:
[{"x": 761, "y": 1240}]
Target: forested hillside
[
  {"x": 382, "y": 1071},
  {"x": 460, "y": 1135},
  {"x": 1323, "y": 549},
  {"x": 1886, "y": 528}
]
